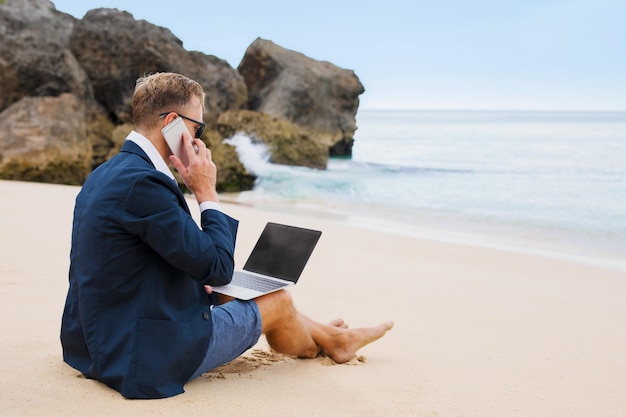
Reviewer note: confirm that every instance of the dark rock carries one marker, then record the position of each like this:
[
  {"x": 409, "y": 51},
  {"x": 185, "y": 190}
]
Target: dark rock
[
  {"x": 115, "y": 50},
  {"x": 103, "y": 136},
  {"x": 34, "y": 53},
  {"x": 314, "y": 94},
  {"x": 39, "y": 142},
  {"x": 119, "y": 135}
]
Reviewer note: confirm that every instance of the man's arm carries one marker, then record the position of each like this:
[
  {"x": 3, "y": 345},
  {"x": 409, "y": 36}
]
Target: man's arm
[{"x": 156, "y": 211}]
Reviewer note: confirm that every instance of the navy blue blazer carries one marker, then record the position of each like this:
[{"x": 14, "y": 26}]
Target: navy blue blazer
[{"x": 137, "y": 316}]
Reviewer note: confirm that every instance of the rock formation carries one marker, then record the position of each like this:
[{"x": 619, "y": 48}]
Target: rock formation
[
  {"x": 45, "y": 97},
  {"x": 115, "y": 50},
  {"x": 66, "y": 87},
  {"x": 314, "y": 94}
]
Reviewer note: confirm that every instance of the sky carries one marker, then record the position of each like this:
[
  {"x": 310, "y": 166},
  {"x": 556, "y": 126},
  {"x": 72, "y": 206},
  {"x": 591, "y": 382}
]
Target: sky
[{"x": 423, "y": 54}]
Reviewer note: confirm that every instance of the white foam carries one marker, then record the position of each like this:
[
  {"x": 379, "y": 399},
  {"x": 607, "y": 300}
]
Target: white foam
[{"x": 253, "y": 155}]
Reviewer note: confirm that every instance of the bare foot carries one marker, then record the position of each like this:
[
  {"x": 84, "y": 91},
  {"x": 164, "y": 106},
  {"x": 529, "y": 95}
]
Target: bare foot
[
  {"x": 349, "y": 341},
  {"x": 334, "y": 323}
]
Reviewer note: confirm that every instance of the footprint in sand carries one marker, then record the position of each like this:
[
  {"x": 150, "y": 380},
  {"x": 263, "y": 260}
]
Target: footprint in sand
[
  {"x": 325, "y": 360},
  {"x": 249, "y": 362},
  {"x": 256, "y": 358}
]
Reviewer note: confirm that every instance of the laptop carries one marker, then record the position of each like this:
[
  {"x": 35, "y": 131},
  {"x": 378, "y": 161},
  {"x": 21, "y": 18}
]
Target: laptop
[{"x": 276, "y": 262}]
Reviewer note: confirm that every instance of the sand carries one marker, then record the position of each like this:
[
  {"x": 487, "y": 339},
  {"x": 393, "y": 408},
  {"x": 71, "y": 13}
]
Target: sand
[{"x": 479, "y": 331}]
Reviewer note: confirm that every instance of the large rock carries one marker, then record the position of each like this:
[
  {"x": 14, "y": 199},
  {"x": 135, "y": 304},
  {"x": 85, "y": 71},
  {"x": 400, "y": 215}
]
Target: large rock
[
  {"x": 314, "y": 94},
  {"x": 45, "y": 139},
  {"x": 34, "y": 53},
  {"x": 115, "y": 50}
]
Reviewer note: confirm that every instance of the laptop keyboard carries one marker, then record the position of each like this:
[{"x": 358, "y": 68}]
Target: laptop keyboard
[{"x": 255, "y": 282}]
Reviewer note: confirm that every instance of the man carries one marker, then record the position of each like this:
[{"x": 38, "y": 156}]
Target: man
[{"x": 140, "y": 314}]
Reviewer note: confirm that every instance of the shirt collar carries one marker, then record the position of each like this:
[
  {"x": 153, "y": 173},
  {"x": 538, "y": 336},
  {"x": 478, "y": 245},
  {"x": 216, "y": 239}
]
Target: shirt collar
[{"x": 154, "y": 155}]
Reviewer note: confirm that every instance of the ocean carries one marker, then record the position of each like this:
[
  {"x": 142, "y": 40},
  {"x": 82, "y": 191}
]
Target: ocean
[{"x": 548, "y": 181}]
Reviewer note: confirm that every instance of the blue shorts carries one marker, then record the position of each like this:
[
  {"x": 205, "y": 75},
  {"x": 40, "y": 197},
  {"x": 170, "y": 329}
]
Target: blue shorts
[{"x": 236, "y": 328}]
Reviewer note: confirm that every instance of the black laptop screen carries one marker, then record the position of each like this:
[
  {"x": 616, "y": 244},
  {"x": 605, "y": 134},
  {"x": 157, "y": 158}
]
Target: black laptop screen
[{"x": 282, "y": 251}]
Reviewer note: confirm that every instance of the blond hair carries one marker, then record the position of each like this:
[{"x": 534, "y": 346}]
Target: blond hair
[{"x": 162, "y": 92}]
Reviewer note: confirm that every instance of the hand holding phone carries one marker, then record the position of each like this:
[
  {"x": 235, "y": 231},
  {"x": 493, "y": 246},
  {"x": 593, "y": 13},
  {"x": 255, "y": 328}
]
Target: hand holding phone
[
  {"x": 202, "y": 176},
  {"x": 173, "y": 134}
]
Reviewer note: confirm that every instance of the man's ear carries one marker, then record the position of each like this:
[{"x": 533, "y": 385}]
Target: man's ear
[{"x": 169, "y": 118}]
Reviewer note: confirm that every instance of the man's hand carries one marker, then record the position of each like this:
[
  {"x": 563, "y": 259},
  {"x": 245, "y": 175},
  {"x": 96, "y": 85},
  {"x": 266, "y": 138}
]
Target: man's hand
[
  {"x": 200, "y": 176},
  {"x": 208, "y": 289}
]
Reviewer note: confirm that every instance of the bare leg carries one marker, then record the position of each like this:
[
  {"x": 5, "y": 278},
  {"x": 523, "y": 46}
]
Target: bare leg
[{"x": 288, "y": 331}]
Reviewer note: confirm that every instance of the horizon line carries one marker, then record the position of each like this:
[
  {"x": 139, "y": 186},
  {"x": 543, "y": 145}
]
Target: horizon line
[{"x": 491, "y": 110}]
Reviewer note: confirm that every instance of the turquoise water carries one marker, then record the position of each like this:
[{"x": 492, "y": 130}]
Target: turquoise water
[{"x": 544, "y": 179}]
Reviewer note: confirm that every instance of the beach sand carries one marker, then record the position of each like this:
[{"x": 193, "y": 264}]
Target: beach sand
[{"x": 478, "y": 331}]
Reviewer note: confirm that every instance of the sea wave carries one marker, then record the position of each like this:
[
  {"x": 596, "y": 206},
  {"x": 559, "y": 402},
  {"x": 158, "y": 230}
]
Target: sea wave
[{"x": 568, "y": 180}]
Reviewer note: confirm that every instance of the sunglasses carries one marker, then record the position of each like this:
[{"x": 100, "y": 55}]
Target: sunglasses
[{"x": 199, "y": 129}]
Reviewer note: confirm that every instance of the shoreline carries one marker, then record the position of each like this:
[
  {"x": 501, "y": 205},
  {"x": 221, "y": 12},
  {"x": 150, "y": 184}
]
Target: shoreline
[
  {"x": 479, "y": 331},
  {"x": 464, "y": 231}
]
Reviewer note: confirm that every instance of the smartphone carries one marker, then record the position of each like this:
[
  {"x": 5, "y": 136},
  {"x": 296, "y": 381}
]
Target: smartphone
[{"x": 173, "y": 133}]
